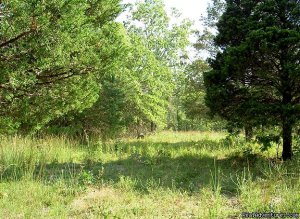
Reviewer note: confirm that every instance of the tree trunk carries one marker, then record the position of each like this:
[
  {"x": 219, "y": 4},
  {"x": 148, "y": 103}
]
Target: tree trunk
[
  {"x": 138, "y": 125},
  {"x": 287, "y": 140},
  {"x": 287, "y": 122},
  {"x": 248, "y": 132},
  {"x": 153, "y": 127}
]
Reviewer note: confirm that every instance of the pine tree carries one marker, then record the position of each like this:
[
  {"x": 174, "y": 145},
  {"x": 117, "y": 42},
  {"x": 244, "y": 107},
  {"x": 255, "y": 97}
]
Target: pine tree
[{"x": 255, "y": 79}]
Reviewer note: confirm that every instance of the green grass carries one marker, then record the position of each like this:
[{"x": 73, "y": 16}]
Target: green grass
[{"x": 167, "y": 175}]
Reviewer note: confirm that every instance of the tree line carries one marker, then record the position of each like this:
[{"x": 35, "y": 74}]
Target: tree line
[{"x": 70, "y": 66}]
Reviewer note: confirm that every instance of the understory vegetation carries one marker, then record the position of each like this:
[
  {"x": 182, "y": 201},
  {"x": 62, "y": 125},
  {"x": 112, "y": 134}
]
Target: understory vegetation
[{"x": 166, "y": 175}]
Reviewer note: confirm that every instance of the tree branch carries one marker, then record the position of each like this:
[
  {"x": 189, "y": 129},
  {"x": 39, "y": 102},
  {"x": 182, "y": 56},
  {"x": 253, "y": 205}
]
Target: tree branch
[
  {"x": 6, "y": 43},
  {"x": 33, "y": 28}
]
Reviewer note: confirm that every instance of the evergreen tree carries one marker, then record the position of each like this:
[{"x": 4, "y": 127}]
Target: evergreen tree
[
  {"x": 255, "y": 77},
  {"x": 52, "y": 52}
]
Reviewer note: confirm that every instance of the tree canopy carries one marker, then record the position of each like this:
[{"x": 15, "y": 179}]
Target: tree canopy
[
  {"x": 135, "y": 91},
  {"x": 51, "y": 53},
  {"x": 255, "y": 76}
]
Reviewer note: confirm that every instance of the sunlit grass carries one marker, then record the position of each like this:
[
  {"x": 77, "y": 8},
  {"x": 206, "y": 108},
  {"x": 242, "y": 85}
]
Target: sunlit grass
[{"x": 166, "y": 175}]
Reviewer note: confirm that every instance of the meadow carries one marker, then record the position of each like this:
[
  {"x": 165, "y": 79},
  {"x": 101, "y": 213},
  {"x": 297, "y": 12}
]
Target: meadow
[{"x": 166, "y": 175}]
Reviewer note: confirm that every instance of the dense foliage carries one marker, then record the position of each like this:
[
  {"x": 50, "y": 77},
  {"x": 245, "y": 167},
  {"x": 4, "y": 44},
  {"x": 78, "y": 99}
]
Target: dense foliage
[
  {"x": 68, "y": 64},
  {"x": 255, "y": 78},
  {"x": 52, "y": 53}
]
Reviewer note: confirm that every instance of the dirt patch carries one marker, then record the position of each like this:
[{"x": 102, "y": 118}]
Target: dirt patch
[{"x": 91, "y": 197}]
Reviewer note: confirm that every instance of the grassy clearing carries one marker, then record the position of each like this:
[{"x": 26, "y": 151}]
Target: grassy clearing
[{"x": 167, "y": 175}]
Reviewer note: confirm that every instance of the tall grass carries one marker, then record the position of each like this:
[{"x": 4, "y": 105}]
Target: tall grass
[
  {"x": 167, "y": 175},
  {"x": 25, "y": 157}
]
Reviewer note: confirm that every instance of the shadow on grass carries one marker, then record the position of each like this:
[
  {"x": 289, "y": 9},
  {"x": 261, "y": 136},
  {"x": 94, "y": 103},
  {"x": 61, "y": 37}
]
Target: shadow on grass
[
  {"x": 141, "y": 171},
  {"x": 205, "y": 143},
  {"x": 187, "y": 173}
]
